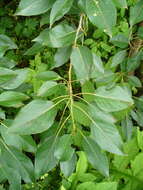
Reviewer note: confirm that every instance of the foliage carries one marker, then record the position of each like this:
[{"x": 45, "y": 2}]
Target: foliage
[{"x": 71, "y": 94}]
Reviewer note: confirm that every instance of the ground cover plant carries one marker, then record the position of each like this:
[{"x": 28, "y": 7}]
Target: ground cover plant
[{"x": 71, "y": 101}]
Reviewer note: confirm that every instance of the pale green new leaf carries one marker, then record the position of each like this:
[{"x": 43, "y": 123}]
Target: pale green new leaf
[
  {"x": 33, "y": 7},
  {"x": 59, "y": 9},
  {"x": 95, "y": 156},
  {"x": 106, "y": 186},
  {"x": 35, "y": 117},
  {"x": 102, "y": 13}
]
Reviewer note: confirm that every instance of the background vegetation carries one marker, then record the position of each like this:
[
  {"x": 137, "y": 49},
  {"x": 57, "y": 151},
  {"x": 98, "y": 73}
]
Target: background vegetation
[{"x": 71, "y": 95}]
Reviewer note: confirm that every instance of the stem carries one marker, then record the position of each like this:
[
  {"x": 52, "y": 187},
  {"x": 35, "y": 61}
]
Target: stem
[{"x": 78, "y": 29}]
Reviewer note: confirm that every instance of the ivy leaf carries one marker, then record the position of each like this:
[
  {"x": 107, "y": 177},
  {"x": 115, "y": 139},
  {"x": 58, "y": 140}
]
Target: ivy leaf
[
  {"x": 44, "y": 159},
  {"x": 35, "y": 117},
  {"x": 63, "y": 151},
  {"x": 104, "y": 10},
  {"x": 59, "y": 9},
  {"x": 33, "y": 7},
  {"x": 136, "y": 13},
  {"x": 115, "y": 99},
  {"x": 95, "y": 156},
  {"x": 12, "y": 99}
]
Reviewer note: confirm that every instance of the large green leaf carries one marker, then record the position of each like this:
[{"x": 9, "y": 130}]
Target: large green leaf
[
  {"x": 17, "y": 161},
  {"x": 34, "y": 7},
  {"x": 21, "y": 76},
  {"x": 95, "y": 156},
  {"x": 12, "y": 99},
  {"x": 25, "y": 142},
  {"x": 61, "y": 35},
  {"x": 6, "y": 75},
  {"x": 35, "y": 117},
  {"x": 44, "y": 159},
  {"x": 115, "y": 99},
  {"x": 136, "y": 13},
  {"x": 120, "y": 3},
  {"x": 59, "y": 9},
  {"x": 5, "y": 44},
  {"x": 82, "y": 61},
  {"x": 102, "y": 13},
  {"x": 63, "y": 151}
]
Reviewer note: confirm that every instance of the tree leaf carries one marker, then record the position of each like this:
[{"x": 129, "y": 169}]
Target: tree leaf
[
  {"x": 21, "y": 76},
  {"x": 86, "y": 186},
  {"x": 35, "y": 117},
  {"x": 48, "y": 75},
  {"x": 63, "y": 151},
  {"x": 118, "y": 58},
  {"x": 62, "y": 56},
  {"x": 61, "y": 35},
  {"x": 106, "y": 186},
  {"x": 95, "y": 156},
  {"x": 59, "y": 9},
  {"x": 136, "y": 13},
  {"x": 120, "y": 3},
  {"x": 120, "y": 40},
  {"x": 104, "y": 10},
  {"x": 81, "y": 59},
  {"x": 68, "y": 167},
  {"x": 44, "y": 159},
  {"x": 115, "y": 99},
  {"x": 12, "y": 99},
  {"x": 6, "y": 75},
  {"x": 33, "y": 7},
  {"x": 17, "y": 161}
]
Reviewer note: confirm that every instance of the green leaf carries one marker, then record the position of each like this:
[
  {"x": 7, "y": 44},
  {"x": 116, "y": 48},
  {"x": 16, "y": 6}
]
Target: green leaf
[
  {"x": 59, "y": 9},
  {"x": 5, "y": 44},
  {"x": 81, "y": 59},
  {"x": 25, "y": 143},
  {"x": 61, "y": 35},
  {"x": 62, "y": 56},
  {"x": 104, "y": 10},
  {"x": 120, "y": 3},
  {"x": 17, "y": 161},
  {"x": 6, "y": 75},
  {"x": 47, "y": 89},
  {"x": 36, "y": 48},
  {"x": 82, "y": 164},
  {"x": 97, "y": 62},
  {"x": 127, "y": 128},
  {"x": 134, "y": 81},
  {"x": 48, "y": 75},
  {"x": 68, "y": 167},
  {"x": 85, "y": 177},
  {"x": 12, "y": 99},
  {"x": 106, "y": 186},
  {"x": 104, "y": 131},
  {"x": 35, "y": 117},
  {"x": 118, "y": 58},
  {"x": 44, "y": 159},
  {"x": 115, "y": 99},
  {"x": 21, "y": 76},
  {"x": 33, "y": 7},
  {"x": 88, "y": 87},
  {"x": 120, "y": 40},
  {"x": 95, "y": 156},
  {"x": 63, "y": 151},
  {"x": 86, "y": 186},
  {"x": 136, "y": 13},
  {"x": 140, "y": 138}
]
